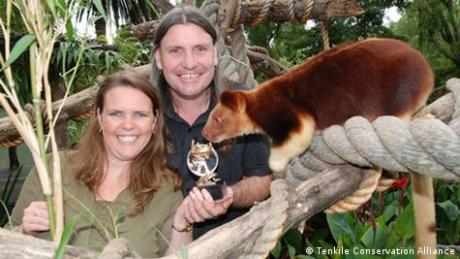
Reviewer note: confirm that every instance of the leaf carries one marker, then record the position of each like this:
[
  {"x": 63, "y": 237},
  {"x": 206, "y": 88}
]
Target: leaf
[
  {"x": 52, "y": 6},
  {"x": 393, "y": 240},
  {"x": 66, "y": 235},
  {"x": 374, "y": 238},
  {"x": 404, "y": 224},
  {"x": 291, "y": 251},
  {"x": 62, "y": 7},
  {"x": 18, "y": 49},
  {"x": 276, "y": 251},
  {"x": 450, "y": 209},
  {"x": 294, "y": 237},
  {"x": 69, "y": 31},
  {"x": 339, "y": 227},
  {"x": 389, "y": 212},
  {"x": 100, "y": 8}
]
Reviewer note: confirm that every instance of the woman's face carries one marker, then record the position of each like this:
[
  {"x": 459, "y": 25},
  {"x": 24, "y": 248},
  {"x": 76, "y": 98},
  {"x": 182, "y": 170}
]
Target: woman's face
[{"x": 127, "y": 121}]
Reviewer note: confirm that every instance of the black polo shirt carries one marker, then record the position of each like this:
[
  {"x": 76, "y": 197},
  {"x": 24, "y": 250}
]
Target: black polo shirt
[{"x": 247, "y": 157}]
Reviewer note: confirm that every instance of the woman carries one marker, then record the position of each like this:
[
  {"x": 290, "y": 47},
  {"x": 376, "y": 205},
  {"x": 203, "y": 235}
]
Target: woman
[{"x": 117, "y": 180}]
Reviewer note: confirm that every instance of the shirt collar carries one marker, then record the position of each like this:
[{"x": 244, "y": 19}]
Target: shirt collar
[{"x": 171, "y": 113}]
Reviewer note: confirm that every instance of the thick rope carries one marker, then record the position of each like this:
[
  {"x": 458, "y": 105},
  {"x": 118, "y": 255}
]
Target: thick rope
[
  {"x": 363, "y": 194},
  {"x": 307, "y": 11},
  {"x": 237, "y": 15},
  {"x": 83, "y": 116},
  {"x": 239, "y": 51},
  {"x": 12, "y": 143},
  {"x": 263, "y": 13},
  {"x": 228, "y": 65},
  {"x": 426, "y": 146},
  {"x": 291, "y": 7},
  {"x": 273, "y": 228},
  {"x": 324, "y": 35}
]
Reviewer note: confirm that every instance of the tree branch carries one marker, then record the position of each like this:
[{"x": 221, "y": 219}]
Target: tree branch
[
  {"x": 279, "y": 12},
  {"x": 163, "y": 5},
  {"x": 307, "y": 199}
]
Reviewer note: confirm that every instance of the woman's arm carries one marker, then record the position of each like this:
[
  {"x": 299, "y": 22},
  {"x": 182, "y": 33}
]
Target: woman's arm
[{"x": 181, "y": 233}]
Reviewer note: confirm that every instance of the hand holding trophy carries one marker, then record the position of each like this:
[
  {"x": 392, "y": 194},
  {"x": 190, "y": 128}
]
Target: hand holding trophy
[{"x": 202, "y": 160}]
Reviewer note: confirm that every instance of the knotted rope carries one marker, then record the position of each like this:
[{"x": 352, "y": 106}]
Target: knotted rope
[
  {"x": 234, "y": 65},
  {"x": 233, "y": 62},
  {"x": 426, "y": 145},
  {"x": 274, "y": 226},
  {"x": 267, "y": 4},
  {"x": 306, "y": 11},
  {"x": 239, "y": 51},
  {"x": 29, "y": 111},
  {"x": 324, "y": 35}
]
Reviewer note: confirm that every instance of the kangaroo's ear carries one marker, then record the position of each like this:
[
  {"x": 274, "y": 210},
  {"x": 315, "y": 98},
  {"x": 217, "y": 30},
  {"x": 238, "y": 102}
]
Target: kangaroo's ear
[{"x": 235, "y": 100}]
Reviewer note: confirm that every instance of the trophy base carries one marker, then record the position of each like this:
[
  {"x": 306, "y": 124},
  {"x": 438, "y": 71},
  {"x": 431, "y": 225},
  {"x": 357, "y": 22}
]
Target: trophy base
[{"x": 215, "y": 190}]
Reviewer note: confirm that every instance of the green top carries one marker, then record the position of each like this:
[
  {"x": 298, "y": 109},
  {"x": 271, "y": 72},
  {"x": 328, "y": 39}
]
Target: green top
[{"x": 142, "y": 230}]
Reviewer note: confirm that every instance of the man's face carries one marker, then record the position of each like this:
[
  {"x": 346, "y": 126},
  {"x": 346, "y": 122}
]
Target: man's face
[{"x": 188, "y": 57}]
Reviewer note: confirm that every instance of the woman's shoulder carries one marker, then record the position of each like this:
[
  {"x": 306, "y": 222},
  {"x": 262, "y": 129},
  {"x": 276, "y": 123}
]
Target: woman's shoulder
[
  {"x": 166, "y": 195},
  {"x": 167, "y": 186},
  {"x": 67, "y": 173}
]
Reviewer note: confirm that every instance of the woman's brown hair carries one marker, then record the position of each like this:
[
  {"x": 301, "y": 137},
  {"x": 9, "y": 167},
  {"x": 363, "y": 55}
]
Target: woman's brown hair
[{"x": 148, "y": 169}]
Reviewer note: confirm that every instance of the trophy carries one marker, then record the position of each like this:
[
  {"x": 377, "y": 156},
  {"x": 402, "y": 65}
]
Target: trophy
[{"x": 202, "y": 160}]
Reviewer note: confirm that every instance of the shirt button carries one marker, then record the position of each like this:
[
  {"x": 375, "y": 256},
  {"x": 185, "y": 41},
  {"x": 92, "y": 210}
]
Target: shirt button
[{"x": 189, "y": 129}]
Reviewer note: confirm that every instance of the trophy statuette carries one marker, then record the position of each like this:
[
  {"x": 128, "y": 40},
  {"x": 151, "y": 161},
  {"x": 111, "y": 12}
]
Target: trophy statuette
[{"x": 202, "y": 161}]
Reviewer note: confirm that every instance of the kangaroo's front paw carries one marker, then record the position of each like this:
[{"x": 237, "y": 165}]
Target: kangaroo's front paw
[{"x": 278, "y": 166}]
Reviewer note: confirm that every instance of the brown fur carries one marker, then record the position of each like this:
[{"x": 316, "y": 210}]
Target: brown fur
[{"x": 370, "y": 78}]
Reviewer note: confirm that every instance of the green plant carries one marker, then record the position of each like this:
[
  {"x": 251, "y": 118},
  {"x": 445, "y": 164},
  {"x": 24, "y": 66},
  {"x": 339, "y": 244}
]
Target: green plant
[{"x": 371, "y": 232}]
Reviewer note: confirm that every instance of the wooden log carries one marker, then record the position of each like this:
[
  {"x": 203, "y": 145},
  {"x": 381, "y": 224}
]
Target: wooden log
[
  {"x": 305, "y": 200},
  {"x": 14, "y": 245},
  {"x": 279, "y": 12}
]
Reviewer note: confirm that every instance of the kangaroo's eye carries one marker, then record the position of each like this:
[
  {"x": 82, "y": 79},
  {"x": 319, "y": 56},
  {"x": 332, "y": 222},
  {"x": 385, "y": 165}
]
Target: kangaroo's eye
[{"x": 218, "y": 119}]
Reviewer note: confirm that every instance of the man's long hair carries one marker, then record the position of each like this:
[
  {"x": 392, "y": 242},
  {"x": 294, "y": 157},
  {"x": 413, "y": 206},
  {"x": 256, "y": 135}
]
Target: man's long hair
[{"x": 178, "y": 15}]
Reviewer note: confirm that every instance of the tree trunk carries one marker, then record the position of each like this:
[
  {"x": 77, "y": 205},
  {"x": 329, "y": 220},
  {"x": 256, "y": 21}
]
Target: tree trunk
[
  {"x": 279, "y": 12},
  {"x": 305, "y": 200}
]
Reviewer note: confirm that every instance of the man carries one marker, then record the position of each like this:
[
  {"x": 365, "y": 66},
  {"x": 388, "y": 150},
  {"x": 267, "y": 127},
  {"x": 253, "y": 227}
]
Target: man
[{"x": 184, "y": 66}]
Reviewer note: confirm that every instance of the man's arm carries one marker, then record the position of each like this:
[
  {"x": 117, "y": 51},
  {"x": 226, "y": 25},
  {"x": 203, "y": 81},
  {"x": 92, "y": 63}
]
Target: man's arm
[{"x": 250, "y": 190}]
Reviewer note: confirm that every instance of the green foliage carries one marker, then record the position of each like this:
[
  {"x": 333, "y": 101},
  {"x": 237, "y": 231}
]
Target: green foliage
[
  {"x": 66, "y": 235},
  {"x": 75, "y": 130},
  {"x": 292, "y": 44},
  {"x": 20, "y": 47},
  {"x": 124, "y": 11},
  {"x": 390, "y": 231},
  {"x": 411, "y": 30},
  {"x": 100, "y": 8},
  {"x": 291, "y": 243},
  {"x": 438, "y": 25},
  {"x": 296, "y": 43},
  {"x": 448, "y": 212}
]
